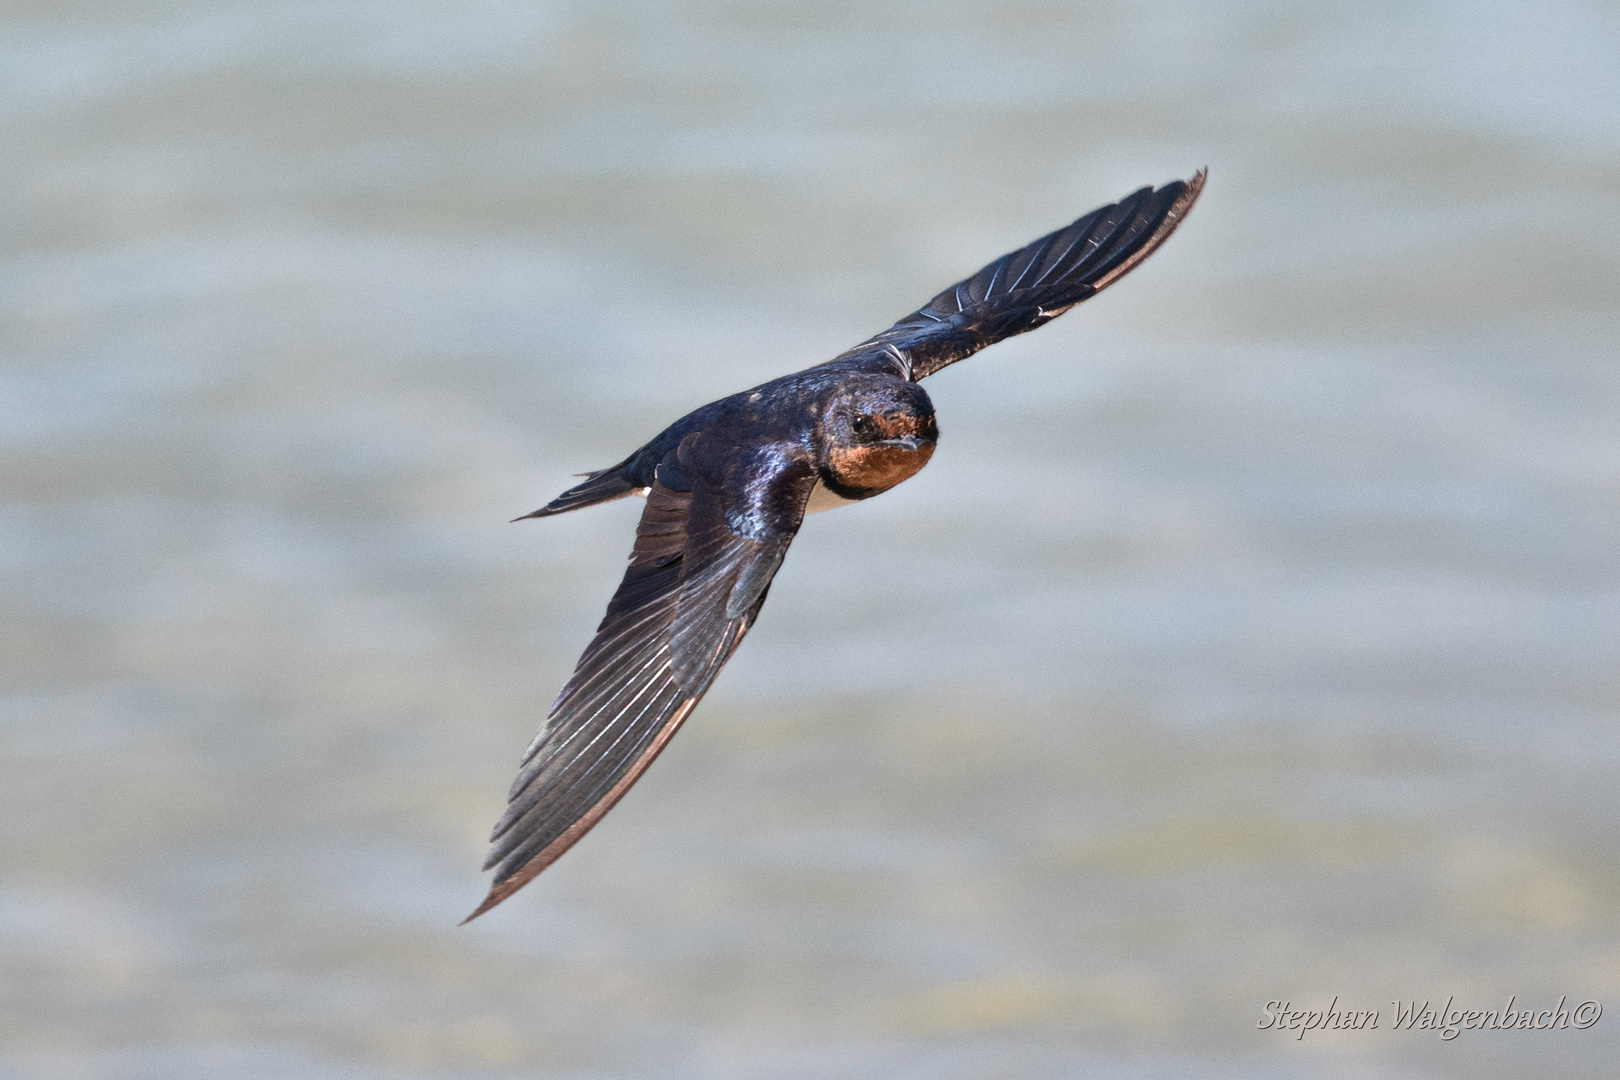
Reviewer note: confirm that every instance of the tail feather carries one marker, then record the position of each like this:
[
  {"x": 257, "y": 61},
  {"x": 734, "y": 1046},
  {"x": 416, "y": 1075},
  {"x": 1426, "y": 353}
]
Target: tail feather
[{"x": 601, "y": 486}]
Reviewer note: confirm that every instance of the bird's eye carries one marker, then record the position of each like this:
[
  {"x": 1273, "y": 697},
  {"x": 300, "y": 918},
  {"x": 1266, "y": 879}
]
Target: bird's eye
[{"x": 860, "y": 425}]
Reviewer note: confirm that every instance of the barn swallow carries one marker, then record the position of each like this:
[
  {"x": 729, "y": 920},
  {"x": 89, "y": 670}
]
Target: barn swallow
[{"x": 727, "y": 487}]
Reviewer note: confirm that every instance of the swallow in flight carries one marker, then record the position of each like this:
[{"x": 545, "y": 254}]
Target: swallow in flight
[{"x": 727, "y": 487}]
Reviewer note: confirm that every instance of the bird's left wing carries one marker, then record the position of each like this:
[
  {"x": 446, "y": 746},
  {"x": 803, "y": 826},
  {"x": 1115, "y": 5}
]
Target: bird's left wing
[
  {"x": 1029, "y": 287},
  {"x": 698, "y": 575}
]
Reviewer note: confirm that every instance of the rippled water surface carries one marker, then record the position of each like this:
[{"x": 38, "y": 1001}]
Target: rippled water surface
[{"x": 1253, "y": 635}]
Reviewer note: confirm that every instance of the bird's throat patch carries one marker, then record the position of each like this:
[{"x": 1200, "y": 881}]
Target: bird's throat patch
[{"x": 876, "y": 468}]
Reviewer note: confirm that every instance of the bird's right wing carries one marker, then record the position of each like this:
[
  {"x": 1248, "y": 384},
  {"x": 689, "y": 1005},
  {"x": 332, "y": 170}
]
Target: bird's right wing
[
  {"x": 694, "y": 586},
  {"x": 1028, "y": 287}
]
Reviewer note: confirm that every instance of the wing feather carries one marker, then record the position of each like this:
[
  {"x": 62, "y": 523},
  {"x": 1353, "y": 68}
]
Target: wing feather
[{"x": 668, "y": 630}]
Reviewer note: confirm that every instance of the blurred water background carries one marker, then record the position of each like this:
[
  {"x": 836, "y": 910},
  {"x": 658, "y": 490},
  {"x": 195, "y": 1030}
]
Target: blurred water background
[{"x": 1253, "y": 635}]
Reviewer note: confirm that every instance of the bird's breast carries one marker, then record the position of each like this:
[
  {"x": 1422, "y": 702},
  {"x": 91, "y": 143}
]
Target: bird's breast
[{"x": 824, "y": 498}]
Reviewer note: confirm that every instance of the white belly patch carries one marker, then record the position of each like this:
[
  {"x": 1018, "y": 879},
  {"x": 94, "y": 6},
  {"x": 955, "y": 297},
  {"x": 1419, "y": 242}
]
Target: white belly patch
[{"x": 823, "y": 499}]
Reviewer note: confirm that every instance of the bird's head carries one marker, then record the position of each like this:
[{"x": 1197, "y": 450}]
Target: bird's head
[{"x": 877, "y": 434}]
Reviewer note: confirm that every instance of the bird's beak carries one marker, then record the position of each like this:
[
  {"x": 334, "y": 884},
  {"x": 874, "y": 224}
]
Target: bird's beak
[{"x": 908, "y": 442}]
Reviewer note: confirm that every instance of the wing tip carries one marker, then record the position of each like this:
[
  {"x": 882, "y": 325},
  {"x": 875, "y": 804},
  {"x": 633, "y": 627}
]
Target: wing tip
[
  {"x": 495, "y": 897},
  {"x": 1193, "y": 187},
  {"x": 1169, "y": 221},
  {"x": 501, "y": 891},
  {"x": 505, "y": 887}
]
